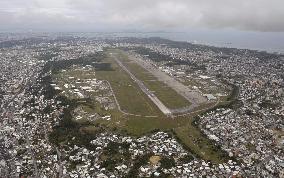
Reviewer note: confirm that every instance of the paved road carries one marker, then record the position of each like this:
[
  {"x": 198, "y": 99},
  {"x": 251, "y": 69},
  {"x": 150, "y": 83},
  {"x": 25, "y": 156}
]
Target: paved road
[
  {"x": 118, "y": 105},
  {"x": 152, "y": 97},
  {"x": 194, "y": 97}
]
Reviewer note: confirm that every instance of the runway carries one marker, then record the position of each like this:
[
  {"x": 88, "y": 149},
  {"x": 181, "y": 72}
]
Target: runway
[
  {"x": 141, "y": 85},
  {"x": 193, "y": 96}
]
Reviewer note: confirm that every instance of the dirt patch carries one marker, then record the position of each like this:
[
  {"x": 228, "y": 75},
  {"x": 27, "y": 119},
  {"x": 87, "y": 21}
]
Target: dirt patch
[{"x": 154, "y": 160}]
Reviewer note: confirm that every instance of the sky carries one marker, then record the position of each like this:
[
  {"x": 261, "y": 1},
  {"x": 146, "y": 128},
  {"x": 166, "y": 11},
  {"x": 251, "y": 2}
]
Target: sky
[
  {"x": 255, "y": 24},
  {"x": 92, "y": 15}
]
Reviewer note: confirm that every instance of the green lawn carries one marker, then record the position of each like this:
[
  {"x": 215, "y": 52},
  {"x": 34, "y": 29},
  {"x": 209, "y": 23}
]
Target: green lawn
[
  {"x": 130, "y": 97},
  {"x": 199, "y": 144},
  {"x": 167, "y": 95},
  {"x": 188, "y": 134},
  {"x": 133, "y": 100}
]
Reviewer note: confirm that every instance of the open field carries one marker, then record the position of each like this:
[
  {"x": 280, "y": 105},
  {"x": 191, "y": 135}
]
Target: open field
[
  {"x": 166, "y": 111},
  {"x": 181, "y": 126},
  {"x": 192, "y": 96},
  {"x": 166, "y": 94},
  {"x": 146, "y": 117},
  {"x": 131, "y": 98},
  {"x": 190, "y": 136}
]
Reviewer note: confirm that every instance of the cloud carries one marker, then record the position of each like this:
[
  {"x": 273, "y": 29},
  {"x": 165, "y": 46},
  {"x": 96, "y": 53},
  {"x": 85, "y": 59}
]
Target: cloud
[{"x": 247, "y": 15}]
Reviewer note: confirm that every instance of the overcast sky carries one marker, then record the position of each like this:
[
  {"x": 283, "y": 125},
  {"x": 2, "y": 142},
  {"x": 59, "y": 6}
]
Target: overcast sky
[{"x": 95, "y": 15}]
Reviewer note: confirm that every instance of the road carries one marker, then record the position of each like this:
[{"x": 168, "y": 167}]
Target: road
[
  {"x": 194, "y": 97},
  {"x": 118, "y": 105},
  {"x": 141, "y": 85}
]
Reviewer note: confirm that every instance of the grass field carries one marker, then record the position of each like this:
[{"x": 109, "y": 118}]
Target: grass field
[
  {"x": 133, "y": 100},
  {"x": 183, "y": 127},
  {"x": 167, "y": 95},
  {"x": 191, "y": 136}
]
